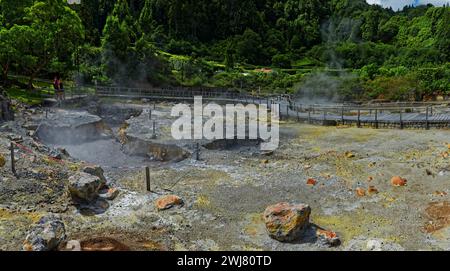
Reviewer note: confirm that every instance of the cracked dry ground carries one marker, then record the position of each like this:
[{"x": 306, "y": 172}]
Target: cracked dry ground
[{"x": 226, "y": 193}]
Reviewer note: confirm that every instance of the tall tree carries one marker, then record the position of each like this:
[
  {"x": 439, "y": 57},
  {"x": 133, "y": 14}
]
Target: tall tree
[
  {"x": 117, "y": 41},
  {"x": 146, "y": 21},
  {"x": 57, "y": 31},
  {"x": 13, "y": 11}
]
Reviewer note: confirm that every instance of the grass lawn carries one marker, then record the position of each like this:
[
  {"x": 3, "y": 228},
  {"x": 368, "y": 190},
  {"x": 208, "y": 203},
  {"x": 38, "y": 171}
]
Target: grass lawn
[{"x": 26, "y": 96}]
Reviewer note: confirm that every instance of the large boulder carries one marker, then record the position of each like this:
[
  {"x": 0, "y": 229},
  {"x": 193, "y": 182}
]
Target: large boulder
[
  {"x": 287, "y": 222},
  {"x": 85, "y": 187},
  {"x": 46, "y": 235}
]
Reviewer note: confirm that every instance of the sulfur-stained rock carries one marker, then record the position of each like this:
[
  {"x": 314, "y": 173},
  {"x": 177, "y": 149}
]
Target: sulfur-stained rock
[
  {"x": 398, "y": 181},
  {"x": 327, "y": 238},
  {"x": 46, "y": 235},
  {"x": 110, "y": 194},
  {"x": 360, "y": 192},
  {"x": 2, "y": 161},
  {"x": 287, "y": 222},
  {"x": 168, "y": 202},
  {"x": 311, "y": 182},
  {"x": 372, "y": 190},
  {"x": 85, "y": 187}
]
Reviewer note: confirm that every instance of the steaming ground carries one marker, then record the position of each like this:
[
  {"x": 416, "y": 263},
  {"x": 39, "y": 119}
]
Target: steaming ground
[
  {"x": 227, "y": 191},
  {"x": 106, "y": 153}
]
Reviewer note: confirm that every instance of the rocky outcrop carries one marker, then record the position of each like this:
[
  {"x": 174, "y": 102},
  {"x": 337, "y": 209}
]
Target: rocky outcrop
[
  {"x": 168, "y": 202},
  {"x": 95, "y": 171},
  {"x": 327, "y": 238},
  {"x": 84, "y": 187},
  {"x": 116, "y": 113},
  {"x": 46, "y": 235},
  {"x": 109, "y": 193},
  {"x": 68, "y": 127},
  {"x": 287, "y": 222},
  {"x": 139, "y": 138},
  {"x": 6, "y": 112},
  {"x": 155, "y": 151}
]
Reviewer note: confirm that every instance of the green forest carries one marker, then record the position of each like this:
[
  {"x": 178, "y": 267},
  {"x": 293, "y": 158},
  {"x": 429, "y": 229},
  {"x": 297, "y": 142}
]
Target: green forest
[{"x": 274, "y": 46}]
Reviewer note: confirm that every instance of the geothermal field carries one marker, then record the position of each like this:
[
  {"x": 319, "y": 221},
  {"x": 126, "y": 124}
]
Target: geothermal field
[{"x": 80, "y": 183}]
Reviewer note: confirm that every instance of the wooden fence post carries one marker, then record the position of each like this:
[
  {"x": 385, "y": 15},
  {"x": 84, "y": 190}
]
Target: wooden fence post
[
  {"x": 376, "y": 118},
  {"x": 401, "y": 119},
  {"x": 359, "y": 118},
  {"x": 147, "y": 179},
  {"x": 13, "y": 161}
]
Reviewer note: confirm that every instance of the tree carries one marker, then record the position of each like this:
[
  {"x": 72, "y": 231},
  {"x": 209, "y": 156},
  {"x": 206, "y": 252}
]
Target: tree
[
  {"x": 282, "y": 61},
  {"x": 8, "y": 51},
  {"x": 116, "y": 45},
  {"x": 13, "y": 11},
  {"x": 146, "y": 21},
  {"x": 249, "y": 47},
  {"x": 443, "y": 34},
  {"x": 56, "y": 31},
  {"x": 389, "y": 30},
  {"x": 89, "y": 12},
  {"x": 229, "y": 56}
]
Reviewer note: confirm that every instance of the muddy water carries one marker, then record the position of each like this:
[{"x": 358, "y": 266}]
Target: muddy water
[{"x": 105, "y": 153}]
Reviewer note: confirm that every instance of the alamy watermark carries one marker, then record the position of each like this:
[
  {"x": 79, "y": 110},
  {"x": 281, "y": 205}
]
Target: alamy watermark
[{"x": 232, "y": 121}]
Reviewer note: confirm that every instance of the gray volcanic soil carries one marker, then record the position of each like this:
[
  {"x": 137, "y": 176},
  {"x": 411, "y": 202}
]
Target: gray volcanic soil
[{"x": 227, "y": 191}]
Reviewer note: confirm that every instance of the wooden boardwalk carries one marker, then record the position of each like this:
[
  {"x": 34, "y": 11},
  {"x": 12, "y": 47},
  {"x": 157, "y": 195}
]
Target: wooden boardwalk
[{"x": 393, "y": 115}]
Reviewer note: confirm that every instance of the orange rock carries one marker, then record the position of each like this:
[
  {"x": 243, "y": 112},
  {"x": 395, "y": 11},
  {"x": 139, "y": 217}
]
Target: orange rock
[
  {"x": 360, "y": 192},
  {"x": 445, "y": 154},
  {"x": 286, "y": 222},
  {"x": 372, "y": 190},
  {"x": 398, "y": 181},
  {"x": 311, "y": 182},
  {"x": 370, "y": 179},
  {"x": 168, "y": 202},
  {"x": 448, "y": 146},
  {"x": 329, "y": 238}
]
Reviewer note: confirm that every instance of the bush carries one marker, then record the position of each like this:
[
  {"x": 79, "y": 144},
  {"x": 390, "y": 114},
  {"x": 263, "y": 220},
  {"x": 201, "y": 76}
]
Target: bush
[{"x": 282, "y": 61}]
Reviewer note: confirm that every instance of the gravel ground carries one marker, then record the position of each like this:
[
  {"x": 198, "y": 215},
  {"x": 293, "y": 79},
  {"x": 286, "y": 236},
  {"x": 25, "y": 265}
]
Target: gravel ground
[{"x": 227, "y": 191}]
